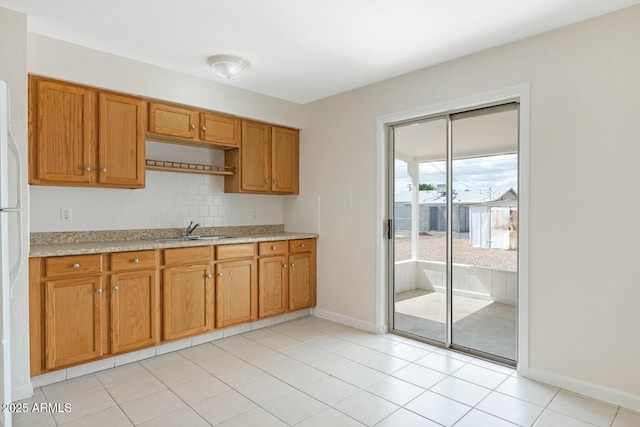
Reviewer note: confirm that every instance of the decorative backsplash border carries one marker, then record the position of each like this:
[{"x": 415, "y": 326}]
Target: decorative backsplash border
[{"x": 59, "y": 237}]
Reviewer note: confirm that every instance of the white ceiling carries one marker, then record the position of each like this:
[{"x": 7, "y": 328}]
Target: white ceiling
[{"x": 301, "y": 50}]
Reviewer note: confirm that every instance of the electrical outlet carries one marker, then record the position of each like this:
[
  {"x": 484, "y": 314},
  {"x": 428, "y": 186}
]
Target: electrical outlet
[{"x": 65, "y": 213}]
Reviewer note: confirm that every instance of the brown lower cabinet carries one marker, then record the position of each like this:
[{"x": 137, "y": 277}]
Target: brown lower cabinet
[
  {"x": 188, "y": 301},
  {"x": 273, "y": 289},
  {"x": 236, "y": 292},
  {"x": 134, "y": 310},
  {"x": 302, "y": 274},
  {"x": 73, "y": 320},
  {"x": 86, "y": 307}
]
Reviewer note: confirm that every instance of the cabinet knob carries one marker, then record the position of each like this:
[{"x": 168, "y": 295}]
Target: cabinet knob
[
  {"x": 204, "y": 128},
  {"x": 209, "y": 276},
  {"x": 273, "y": 248},
  {"x": 76, "y": 265},
  {"x": 193, "y": 126},
  {"x": 99, "y": 291},
  {"x": 284, "y": 265},
  {"x": 266, "y": 181},
  {"x": 135, "y": 260},
  {"x": 292, "y": 264},
  {"x": 115, "y": 288},
  {"x": 302, "y": 245},
  {"x": 87, "y": 168},
  {"x": 219, "y": 274},
  {"x": 103, "y": 170}
]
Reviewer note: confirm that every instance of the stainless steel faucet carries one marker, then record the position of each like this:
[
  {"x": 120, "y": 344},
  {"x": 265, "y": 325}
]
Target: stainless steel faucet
[{"x": 191, "y": 228}]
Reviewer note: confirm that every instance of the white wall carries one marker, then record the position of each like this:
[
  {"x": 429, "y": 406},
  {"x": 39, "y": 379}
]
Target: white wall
[
  {"x": 169, "y": 199},
  {"x": 13, "y": 68},
  {"x": 585, "y": 122}
]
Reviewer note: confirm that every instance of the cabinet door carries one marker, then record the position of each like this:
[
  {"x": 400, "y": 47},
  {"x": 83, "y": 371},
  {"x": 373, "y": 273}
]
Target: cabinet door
[
  {"x": 220, "y": 129},
  {"x": 73, "y": 321},
  {"x": 134, "y": 310},
  {"x": 63, "y": 138},
  {"x": 188, "y": 301},
  {"x": 284, "y": 160},
  {"x": 172, "y": 120},
  {"x": 273, "y": 277},
  {"x": 236, "y": 292},
  {"x": 301, "y": 281},
  {"x": 121, "y": 140},
  {"x": 255, "y": 155}
]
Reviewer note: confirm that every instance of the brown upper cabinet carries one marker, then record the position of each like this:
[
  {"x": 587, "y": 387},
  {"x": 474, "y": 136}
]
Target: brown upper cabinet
[
  {"x": 267, "y": 161},
  {"x": 169, "y": 120},
  {"x": 90, "y": 137},
  {"x": 81, "y": 136},
  {"x": 183, "y": 124}
]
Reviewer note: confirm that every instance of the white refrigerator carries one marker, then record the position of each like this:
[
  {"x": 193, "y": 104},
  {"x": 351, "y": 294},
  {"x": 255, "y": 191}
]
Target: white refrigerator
[{"x": 10, "y": 242}]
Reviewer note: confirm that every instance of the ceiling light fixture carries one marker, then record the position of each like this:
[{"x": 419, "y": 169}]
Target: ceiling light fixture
[{"x": 228, "y": 66}]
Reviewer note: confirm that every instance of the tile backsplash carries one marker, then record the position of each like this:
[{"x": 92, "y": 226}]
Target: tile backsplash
[{"x": 170, "y": 200}]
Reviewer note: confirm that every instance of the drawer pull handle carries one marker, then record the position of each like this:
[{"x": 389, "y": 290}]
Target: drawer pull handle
[
  {"x": 209, "y": 276},
  {"x": 99, "y": 291},
  {"x": 135, "y": 260},
  {"x": 115, "y": 288},
  {"x": 76, "y": 265}
]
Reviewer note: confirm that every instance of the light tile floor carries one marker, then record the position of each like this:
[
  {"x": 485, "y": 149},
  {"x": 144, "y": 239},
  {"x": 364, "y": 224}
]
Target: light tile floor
[{"x": 312, "y": 372}]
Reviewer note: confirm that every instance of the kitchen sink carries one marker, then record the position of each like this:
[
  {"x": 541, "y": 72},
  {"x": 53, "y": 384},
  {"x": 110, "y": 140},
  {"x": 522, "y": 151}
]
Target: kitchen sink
[{"x": 188, "y": 238}]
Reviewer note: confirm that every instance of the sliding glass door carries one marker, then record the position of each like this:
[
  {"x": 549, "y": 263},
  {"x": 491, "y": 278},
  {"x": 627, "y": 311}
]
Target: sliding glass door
[
  {"x": 420, "y": 228},
  {"x": 455, "y": 234}
]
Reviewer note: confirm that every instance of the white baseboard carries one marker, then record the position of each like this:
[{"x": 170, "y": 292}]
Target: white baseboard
[
  {"x": 22, "y": 392},
  {"x": 595, "y": 391},
  {"x": 345, "y": 320}
]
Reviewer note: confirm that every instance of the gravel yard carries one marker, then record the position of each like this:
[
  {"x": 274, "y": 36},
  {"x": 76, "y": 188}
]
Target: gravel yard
[{"x": 433, "y": 248}]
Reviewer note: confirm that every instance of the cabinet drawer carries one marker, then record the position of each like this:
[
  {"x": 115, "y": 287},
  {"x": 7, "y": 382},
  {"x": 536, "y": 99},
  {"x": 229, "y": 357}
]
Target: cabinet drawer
[
  {"x": 124, "y": 261},
  {"x": 301, "y": 245},
  {"x": 199, "y": 254},
  {"x": 273, "y": 248},
  {"x": 242, "y": 250},
  {"x": 76, "y": 265}
]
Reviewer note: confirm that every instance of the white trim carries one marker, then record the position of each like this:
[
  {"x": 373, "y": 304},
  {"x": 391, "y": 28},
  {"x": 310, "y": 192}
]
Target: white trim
[
  {"x": 594, "y": 391},
  {"x": 518, "y": 92},
  {"x": 346, "y": 320},
  {"x": 22, "y": 392}
]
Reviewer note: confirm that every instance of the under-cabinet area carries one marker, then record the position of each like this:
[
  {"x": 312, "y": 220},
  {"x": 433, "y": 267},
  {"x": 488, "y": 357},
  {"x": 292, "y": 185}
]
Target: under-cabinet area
[
  {"x": 90, "y": 306},
  {"x": 83, "y": 136}
]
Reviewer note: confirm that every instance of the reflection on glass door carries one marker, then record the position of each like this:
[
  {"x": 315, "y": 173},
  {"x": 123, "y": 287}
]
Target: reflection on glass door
[
  {"x": 485, "y": 232},
  {"x": 455, "y": 235}
]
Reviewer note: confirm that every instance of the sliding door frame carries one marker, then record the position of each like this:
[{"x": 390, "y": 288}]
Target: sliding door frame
[{"x": 384, "y": 249}]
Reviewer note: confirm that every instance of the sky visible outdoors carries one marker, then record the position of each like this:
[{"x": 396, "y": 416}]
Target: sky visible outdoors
[{"x": 488, "y": 175}]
